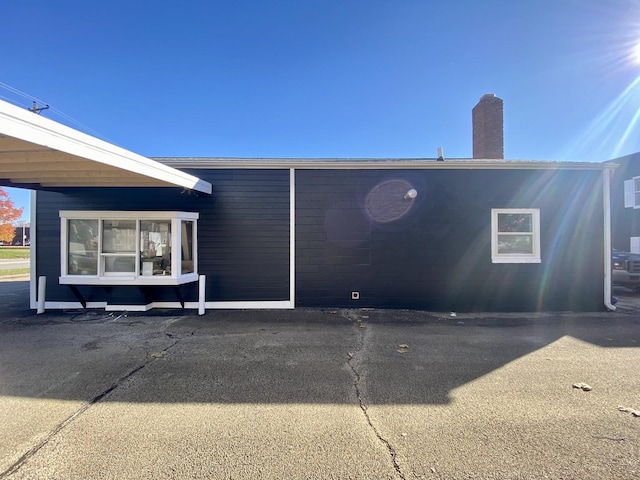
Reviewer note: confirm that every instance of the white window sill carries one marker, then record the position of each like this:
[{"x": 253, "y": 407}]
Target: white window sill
[
  {"x": 128, "y": 280},
  {"x": 516, "y": 260}
]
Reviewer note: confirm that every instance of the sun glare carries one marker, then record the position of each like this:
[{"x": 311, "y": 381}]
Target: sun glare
[{"x": 635, "y": 54}]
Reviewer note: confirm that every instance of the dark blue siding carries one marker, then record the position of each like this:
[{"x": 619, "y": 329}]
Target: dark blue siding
[
  {"x": 243, "y": 235},
  {"x": 438, "y": 254},
  {"x": 355, "y": 233}
]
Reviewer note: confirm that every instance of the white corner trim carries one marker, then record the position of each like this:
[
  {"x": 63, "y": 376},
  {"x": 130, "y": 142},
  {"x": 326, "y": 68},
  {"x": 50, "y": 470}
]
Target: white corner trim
[
  {"x": 33, "y": 281},
  {"x": 292, "y": 236}
]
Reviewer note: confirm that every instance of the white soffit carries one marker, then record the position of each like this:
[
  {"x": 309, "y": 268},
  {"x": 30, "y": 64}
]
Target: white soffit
[{"x": 36, "y": 151}]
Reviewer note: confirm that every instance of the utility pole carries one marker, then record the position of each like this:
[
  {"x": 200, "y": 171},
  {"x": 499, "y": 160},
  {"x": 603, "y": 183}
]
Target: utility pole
[{"x": 37, "y": 109}]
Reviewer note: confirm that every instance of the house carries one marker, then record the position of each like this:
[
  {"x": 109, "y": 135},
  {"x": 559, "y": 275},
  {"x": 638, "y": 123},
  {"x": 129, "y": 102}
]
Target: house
[
  {"x": 123, "y": 232},
  {"x": 625, "y": 202}
]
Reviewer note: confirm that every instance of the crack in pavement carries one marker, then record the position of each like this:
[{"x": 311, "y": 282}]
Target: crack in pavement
[
  {"x": 356, "y": 319},
  {"x": 67, "y": 421}
]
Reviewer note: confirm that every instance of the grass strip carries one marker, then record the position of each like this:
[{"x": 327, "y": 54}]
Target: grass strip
[
  {"x": 10, "y": 253},
  {"x": 14, "y": 271}
]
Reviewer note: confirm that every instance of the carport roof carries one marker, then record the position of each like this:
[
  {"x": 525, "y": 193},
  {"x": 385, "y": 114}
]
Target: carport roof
[{"x": 36, "y": 152}]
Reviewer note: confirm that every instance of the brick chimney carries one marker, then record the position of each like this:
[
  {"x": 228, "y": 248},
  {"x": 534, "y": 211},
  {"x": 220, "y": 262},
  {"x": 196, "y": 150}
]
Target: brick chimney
[{"x": 488, "y": 127}]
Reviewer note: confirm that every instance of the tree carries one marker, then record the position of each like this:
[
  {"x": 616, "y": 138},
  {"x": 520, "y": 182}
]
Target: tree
[{"x": 8, "y": 214}]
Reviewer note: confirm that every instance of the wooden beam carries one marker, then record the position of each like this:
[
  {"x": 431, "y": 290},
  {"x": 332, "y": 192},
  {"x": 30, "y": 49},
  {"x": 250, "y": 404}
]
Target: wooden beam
[
  {"x": 93, "y": 180},
  {"x": 51, "y": 167},
  {"x": 14, "y": 144},
  {"x": 78, "y": 174},
  {"x": 38, "y": 157},
  {"x": 109, "y": 183}
]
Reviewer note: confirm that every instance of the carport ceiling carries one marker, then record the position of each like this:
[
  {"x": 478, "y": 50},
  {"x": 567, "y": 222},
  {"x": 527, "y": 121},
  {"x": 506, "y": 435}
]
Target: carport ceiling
[{"x": 36, "y": 152}]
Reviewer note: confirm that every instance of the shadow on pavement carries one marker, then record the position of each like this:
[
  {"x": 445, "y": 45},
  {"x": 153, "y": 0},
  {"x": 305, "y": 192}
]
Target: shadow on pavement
[{"x": 284, "y": 356}]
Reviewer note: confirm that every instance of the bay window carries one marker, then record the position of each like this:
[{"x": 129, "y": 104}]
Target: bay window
[{"x": 128, "y": 248}]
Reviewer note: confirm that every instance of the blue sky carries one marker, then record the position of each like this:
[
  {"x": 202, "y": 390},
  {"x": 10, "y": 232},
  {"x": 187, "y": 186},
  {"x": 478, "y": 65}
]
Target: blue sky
[{"x": 329, "y": 78}]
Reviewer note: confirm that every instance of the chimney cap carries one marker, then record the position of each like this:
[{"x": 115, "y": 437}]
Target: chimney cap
[{"x": 488, "y": 95}]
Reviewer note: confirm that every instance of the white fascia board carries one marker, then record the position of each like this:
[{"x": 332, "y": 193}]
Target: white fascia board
[
  {"x": 379, "y": 163},
  {"x": 27, "y": 126}
]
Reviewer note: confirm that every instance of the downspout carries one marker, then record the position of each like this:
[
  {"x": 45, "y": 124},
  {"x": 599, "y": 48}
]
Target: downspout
[{"x": 606, "y": 194}]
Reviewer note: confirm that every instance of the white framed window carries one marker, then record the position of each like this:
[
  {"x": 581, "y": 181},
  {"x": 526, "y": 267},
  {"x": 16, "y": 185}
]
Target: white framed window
[
  {"x": 128, "y": 248},
  {"x": 515, "y": 235},
  {"x": 632, "y": 193}
]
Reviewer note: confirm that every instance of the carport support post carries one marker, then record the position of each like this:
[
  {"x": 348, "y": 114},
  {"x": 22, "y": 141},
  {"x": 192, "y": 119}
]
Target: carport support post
[
  {"x": 201, "y": 299},
  {"x": 42, "y": 288}
]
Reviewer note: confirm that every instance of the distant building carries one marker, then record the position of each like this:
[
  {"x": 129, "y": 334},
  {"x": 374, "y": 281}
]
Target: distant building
[
  {"x": 22, "y": 235},
  {"x": 625, "y": 204}
]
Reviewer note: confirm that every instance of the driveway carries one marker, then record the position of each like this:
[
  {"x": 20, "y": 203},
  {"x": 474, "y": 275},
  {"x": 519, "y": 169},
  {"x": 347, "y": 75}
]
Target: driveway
[{"x": 316, "y": 394}]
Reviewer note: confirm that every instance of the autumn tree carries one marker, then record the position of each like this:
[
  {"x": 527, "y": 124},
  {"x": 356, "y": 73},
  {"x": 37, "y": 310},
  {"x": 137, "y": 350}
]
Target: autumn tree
[{"x": 8, "y": 214}]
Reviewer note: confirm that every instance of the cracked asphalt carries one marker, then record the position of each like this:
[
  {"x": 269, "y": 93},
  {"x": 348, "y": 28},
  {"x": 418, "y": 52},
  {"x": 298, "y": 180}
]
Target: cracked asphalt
[{"x": 317, "y": 394}]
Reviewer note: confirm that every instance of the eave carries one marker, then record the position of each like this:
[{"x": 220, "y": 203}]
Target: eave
[
  {"x": 36, "y": 152},
  {"x": 377, "y": 163}
]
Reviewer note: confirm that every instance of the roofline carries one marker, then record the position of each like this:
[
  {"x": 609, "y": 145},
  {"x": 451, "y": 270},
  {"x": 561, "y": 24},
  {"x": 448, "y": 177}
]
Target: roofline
[
  {"x": 27, "y": 126},
  {"x": 378, "y": 163}
]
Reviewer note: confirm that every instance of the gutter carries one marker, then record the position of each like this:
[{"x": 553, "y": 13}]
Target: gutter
[
  {"x": 606, "y": 199},
  {"x": 376, "y": 163}
]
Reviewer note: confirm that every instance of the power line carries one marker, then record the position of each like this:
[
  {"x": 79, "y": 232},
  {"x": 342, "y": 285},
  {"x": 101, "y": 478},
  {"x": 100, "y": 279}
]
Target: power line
[{"x": 37, "y": 109}]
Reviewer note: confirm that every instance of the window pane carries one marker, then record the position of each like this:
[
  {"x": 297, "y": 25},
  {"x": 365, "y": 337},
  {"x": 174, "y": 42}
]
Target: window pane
[
  {"x": 83, "y": 247},
  {"x": 636, "y": 183},
  {"x": 515, "y": 244},
  {"x": 514, "y": 222},
  {"x": 116, "y": 264},
  {"x": 187, "y": 247},
  {"x": 155, "y": 247},
  {"x": 118, "y": 236}
]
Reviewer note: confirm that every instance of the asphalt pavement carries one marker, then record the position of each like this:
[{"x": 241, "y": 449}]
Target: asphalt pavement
[{"x": 317, "y": 394}]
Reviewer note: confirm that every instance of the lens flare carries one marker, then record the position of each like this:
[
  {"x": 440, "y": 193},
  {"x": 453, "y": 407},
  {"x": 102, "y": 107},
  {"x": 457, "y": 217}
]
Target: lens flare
[
  {"x": 390, "y": 200},
  {"x": 635, "y": 54}
]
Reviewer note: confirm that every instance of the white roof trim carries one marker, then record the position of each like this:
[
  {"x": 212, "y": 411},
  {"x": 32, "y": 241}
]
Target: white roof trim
[
  {"x": 378, "y": 163},
  {"x": 29, "y": 127}
]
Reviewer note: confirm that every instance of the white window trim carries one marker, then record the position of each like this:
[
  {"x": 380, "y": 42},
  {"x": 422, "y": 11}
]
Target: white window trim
[
  {"x": 631, "y": 192},
  {"x": 112, "y": 278},
  {"x": 535, "y": 256}
]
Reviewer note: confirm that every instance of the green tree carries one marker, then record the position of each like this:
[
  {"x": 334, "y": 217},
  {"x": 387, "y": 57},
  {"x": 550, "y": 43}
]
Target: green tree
[{"x": 8, "y": 214}]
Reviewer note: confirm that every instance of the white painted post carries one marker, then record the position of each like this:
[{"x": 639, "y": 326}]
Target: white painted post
[
  {"x": 201, "y": 294},
  {"x": 42, "y": 288}
]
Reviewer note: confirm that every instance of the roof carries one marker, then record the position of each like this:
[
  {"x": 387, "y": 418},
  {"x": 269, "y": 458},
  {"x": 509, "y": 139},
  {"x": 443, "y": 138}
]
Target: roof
[
  {"x": 36, "y": 152},
  {"x": 379, "y": 163}
]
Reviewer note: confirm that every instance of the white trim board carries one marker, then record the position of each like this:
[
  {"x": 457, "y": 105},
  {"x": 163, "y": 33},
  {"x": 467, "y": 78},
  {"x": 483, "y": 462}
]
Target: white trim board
[
  {"x": 378, "y": 163},
  {"x": 250, "y": 305}
]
